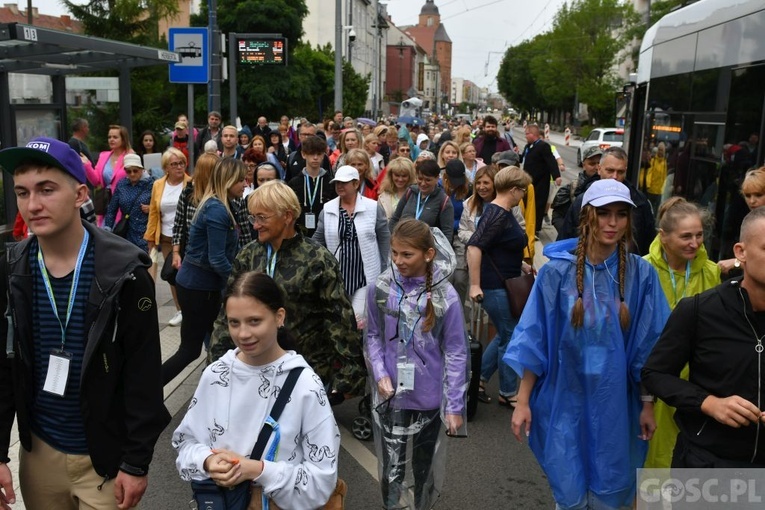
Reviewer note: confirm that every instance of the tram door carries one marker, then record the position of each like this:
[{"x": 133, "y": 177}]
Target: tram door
[{"x": 742, "y": 150}]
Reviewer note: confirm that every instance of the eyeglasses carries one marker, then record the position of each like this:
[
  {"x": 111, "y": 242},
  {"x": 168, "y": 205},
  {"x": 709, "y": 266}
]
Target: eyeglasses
[
  {"x": 522, "y": 190},
  {"x": 131, "y": 171},
  {"x": 251, "y": 164},
  {"x": 259, "y": 218},
  {"x": 176, "y": 164},
  {"x": 405, "y": 150}
]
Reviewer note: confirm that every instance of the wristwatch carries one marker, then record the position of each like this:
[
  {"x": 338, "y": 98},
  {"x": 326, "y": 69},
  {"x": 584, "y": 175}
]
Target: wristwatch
[{"x": 737, "y": 264}]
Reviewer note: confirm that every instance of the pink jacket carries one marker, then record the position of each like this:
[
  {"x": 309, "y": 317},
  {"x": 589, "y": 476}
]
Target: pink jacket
[{"x": 96, "y": 176}]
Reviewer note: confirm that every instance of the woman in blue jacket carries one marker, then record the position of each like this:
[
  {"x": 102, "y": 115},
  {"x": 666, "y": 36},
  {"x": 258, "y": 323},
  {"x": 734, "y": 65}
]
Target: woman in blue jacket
[
  {"x": 591, "y": 320},
  {"x": 210, "y": 253}
]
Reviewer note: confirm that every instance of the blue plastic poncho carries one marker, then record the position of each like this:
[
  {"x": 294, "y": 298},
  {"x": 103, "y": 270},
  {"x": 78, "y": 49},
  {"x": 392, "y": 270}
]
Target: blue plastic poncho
[{"x": 585, "y": 405}]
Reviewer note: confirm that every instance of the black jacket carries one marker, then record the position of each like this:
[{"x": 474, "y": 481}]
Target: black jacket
[
  {"x": 712, "y": 333},
  {"x": 539, "y": 163},
  {"x": 121, "y": 385},
  {"x": 643, "y": 222}
]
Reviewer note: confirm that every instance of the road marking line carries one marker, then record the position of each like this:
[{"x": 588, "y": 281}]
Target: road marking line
[{"x": 359, "y": 452}]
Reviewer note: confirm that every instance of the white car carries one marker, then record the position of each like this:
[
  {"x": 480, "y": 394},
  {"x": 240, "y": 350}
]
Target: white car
[{"x": 603, "y": 138}]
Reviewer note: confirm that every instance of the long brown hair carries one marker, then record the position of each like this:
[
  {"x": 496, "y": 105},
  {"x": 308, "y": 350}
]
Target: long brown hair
[
  {"x": 202, "y": 172},
  {"x": 416, "y": 234},
  {"x": 476, "y": 202},
  {"x": 588, "y": 228}
]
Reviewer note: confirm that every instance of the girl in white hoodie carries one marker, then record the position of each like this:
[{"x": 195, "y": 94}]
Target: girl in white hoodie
[{"x": 298, "y": 469}]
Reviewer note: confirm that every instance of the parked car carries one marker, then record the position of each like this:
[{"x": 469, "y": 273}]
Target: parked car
[{"x": 603, "y": 138}]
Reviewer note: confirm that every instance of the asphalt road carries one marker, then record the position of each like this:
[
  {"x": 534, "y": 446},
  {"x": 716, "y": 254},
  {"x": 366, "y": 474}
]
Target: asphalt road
[{"x": 487, "y": 470}]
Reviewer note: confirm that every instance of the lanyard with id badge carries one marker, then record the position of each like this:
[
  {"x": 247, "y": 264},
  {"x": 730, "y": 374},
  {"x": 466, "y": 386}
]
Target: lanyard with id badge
[
  {"x": 405, "y": 367},
  {"x": 310, "y": 217},
  {"x": 59, "y": 360}
]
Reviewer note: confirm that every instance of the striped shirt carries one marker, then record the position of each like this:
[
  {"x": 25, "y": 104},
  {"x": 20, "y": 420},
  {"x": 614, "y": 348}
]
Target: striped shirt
[
  {"x": 58, "y": 420},
  {"x": 351, "y": 265}
]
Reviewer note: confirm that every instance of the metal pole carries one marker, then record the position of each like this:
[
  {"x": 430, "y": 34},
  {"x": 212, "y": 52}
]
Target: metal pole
[
  {"x": 215, "y": 65},
  {"x": 190, "y": 127},
  {"x": 233, "y": 91},
  {"x": 338, "y": 54}
]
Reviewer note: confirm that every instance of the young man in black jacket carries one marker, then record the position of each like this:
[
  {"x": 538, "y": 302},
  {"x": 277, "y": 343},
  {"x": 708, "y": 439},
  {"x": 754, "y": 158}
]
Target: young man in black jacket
[
  {"x": 720, "y": 334},
  {"x": 81, "y": 368}
]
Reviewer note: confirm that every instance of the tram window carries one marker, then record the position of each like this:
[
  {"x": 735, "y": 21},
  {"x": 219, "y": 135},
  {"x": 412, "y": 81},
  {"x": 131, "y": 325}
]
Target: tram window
[
  {"x": 710, "y": 90},
  {"x": 670, "y": 93}
]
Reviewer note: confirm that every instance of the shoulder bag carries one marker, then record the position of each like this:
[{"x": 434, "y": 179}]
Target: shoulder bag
[
  {"x": 518, "y": 289},
  {"x": 210, "y": 496},
  {"x": 121, "y": 228}
]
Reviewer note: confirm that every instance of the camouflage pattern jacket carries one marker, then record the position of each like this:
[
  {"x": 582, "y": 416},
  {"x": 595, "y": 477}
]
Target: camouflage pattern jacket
[{"x": 319, "y": 313}]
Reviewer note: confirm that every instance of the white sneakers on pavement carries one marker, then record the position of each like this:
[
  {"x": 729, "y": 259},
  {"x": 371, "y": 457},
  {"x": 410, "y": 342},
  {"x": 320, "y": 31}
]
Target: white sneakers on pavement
[{"x": 176, "y": 319}]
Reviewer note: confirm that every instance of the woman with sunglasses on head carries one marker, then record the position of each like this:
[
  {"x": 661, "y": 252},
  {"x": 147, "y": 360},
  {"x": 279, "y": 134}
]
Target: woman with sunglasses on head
[
  {"x": 494, "y": 254},
  {"x": 210, "y": 252},
  {"x": 593, "y": 316},
  {"x": 131, "y": 197},
  {"x": 417, "y": 355},
  {"x": 165, "y": 194}
]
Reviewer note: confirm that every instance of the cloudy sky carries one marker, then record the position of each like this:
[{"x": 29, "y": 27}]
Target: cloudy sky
[{"x": 480, "y": 30}]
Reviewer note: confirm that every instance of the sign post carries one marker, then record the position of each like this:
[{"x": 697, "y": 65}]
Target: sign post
[
  {"x": 252, "y": 50},
  {"x": 194, "y": 47}
]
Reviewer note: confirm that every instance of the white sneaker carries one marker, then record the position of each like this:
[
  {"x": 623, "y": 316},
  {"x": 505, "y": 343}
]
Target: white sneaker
[{"x": 176, "y": 319}]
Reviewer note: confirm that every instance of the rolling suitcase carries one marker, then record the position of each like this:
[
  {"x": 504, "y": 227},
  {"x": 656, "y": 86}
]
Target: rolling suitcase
[{"x": 476, "y": 337}]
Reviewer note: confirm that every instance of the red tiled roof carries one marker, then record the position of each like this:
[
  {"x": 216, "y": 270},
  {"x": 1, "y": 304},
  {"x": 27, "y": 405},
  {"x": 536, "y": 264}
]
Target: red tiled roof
[{"x": 11, "y": 14}]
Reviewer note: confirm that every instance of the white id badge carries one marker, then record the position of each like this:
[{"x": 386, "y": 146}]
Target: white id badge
[
  {"x": 310, "y": 221},
  {"x": 58, "y": 373},
  {"x": 405, "y": 377}
]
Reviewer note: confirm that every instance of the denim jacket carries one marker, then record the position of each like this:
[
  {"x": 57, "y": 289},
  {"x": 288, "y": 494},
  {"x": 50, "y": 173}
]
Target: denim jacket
[{"x": 213, "y": 239}]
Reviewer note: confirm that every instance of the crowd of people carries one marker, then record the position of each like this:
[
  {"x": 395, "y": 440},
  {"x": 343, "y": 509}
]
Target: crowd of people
[{"x": 345, "y": 254}]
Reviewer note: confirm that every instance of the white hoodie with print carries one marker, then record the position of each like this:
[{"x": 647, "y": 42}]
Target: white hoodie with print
[{"x": 228, "y": 410}]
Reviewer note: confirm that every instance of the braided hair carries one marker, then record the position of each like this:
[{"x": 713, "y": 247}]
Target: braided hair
[
  {"x": 417, "y": 234},
  {"x": 588, "y": 227}
]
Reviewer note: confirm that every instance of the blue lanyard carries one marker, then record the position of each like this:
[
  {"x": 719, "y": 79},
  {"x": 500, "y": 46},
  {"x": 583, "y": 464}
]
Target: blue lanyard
[
  {"x": 420, "y": 205},
  {"x": 72, "y": 289},
  {"x": 674, "y": 283},
  {"x": 311, "y": 197},
  {"x": 271, "y": 455},
  {"x": 270, "y": 261}
]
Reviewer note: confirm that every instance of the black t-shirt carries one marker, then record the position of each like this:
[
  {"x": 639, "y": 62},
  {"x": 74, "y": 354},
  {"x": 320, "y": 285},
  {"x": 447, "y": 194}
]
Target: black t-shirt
[{"x": 502, "y": 241}]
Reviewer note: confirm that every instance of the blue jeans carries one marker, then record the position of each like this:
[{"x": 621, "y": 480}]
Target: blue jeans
[{"x": 497, "y": 306}]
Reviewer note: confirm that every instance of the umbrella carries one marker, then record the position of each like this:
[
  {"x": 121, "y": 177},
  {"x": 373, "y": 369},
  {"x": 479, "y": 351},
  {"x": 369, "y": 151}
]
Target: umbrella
[
  {"x": 368, "y": 122},
  {"x": 408, "y": 119}
]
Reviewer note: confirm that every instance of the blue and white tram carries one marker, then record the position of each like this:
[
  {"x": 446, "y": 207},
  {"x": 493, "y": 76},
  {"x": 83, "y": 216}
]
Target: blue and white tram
[{"x": 701, "y": 92}]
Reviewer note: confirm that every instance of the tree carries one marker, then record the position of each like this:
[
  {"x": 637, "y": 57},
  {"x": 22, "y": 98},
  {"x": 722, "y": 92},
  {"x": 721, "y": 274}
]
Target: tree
[
  {"x": 575, "y": 58},
  {"x": 136, "y": 22}
]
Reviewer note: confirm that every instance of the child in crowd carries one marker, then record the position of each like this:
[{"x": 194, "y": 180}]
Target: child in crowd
[
  {"x": 417, "y": 352},
  {"x": 298, "y": 467}
]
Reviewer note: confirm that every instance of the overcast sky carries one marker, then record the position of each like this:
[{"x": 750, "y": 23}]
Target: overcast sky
[{"x": 480, "y": 30}]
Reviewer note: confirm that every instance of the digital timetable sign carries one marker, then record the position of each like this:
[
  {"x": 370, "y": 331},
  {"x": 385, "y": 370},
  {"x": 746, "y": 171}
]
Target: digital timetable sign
[{"x": 259, "y": 50}]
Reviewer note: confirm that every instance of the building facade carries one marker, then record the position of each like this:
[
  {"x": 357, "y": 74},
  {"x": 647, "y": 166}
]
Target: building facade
[{"x": 367, "y": 52}]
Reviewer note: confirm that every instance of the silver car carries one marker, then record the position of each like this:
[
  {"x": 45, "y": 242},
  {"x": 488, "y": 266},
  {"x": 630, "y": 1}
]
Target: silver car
[{"x": 603, "y": 138}]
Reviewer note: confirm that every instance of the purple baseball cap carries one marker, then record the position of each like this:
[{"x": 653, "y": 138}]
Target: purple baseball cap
[{"x": 48, "y": 151}]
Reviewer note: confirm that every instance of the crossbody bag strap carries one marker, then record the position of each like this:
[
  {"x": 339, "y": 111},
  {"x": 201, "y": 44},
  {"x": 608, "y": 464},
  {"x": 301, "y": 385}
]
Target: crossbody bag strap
[{"x": 276, "y": 412}]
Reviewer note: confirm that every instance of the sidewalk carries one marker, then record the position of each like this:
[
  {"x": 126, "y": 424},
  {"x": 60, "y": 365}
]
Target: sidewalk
[{"x": 176, "y": 393}]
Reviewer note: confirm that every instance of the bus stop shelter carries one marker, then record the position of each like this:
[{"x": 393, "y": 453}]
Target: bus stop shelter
[{"x": 36, "y": 50}]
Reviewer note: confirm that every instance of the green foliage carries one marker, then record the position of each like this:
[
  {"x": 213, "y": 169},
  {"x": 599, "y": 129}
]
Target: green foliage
[
  {"x": 577, "y": 54},
  {"x": 123, "y": 20}
]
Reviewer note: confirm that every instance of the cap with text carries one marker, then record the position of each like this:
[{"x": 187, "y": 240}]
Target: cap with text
[{"x": 46, "y": 151}]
